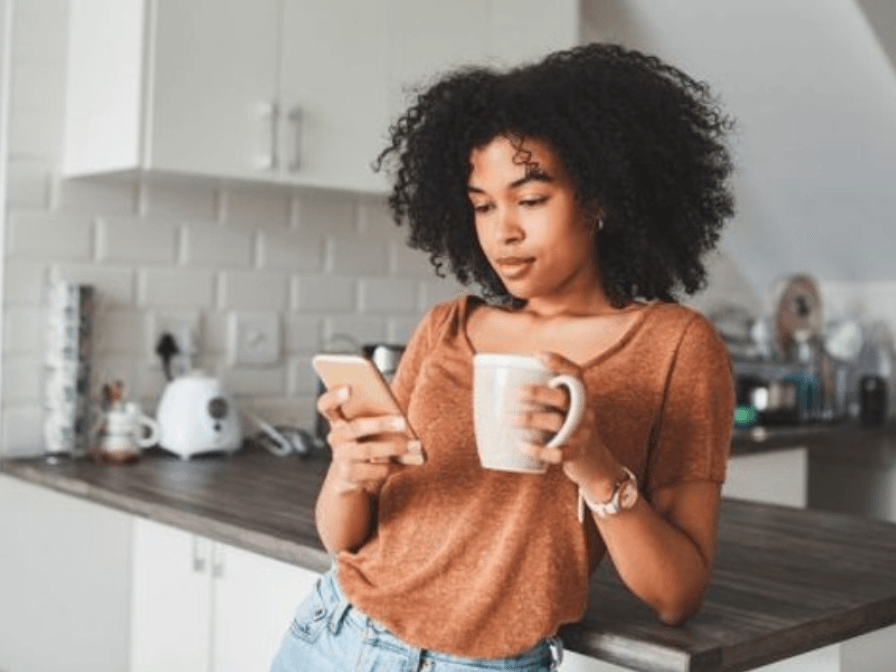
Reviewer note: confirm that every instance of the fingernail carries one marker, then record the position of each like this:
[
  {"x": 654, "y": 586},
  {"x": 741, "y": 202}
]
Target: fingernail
[
  {"x": 412, "y": 458},
  {"x": 397, "y": 423},
  {"x": 343, "y": 394},
  {"x": 415, "y": 447}
]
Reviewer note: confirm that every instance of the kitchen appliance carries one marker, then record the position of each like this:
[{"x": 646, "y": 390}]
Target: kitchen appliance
[
  {"x": 873, "y": 400},
  {"x": 196, "y": 415}
]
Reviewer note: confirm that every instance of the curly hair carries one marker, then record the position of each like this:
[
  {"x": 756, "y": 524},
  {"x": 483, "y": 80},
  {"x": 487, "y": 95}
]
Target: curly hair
[{"x": 642, "y": 141}]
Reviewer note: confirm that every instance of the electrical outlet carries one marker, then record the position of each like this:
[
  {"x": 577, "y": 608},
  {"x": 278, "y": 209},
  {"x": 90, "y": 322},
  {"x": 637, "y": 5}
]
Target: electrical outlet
[
  {"x": 184, "y": 328},
  {"x": 254, "y": 338}
]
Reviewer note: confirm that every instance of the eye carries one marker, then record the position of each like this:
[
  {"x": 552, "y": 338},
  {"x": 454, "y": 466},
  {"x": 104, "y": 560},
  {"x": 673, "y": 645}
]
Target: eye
[
  {"x": 482, "y": 208},
  {"x": 533, "y": 201}
]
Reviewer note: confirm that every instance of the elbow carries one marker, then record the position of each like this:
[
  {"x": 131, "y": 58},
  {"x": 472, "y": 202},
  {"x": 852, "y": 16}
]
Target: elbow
[{"x": 678, "y": 608}]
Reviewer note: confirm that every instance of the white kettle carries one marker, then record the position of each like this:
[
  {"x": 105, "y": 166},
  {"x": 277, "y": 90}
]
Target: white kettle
[{"x": 196, "y": 415}]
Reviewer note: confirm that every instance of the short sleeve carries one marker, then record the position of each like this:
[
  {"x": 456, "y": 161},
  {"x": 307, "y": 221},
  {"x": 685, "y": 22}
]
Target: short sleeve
[
  {"x": 415, "y": 352},
  {"x": 693, "y": 437}
]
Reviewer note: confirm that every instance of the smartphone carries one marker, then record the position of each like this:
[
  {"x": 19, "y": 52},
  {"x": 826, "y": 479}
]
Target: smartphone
[{"x": 370, "y": 393}]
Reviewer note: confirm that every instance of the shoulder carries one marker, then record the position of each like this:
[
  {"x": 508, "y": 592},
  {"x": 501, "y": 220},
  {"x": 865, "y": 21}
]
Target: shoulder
[
  {"x": 683, "y": 322},
  {"x": 450, "y": 315}
]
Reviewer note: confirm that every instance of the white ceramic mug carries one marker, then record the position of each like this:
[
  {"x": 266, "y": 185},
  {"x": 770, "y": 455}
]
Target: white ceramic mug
[
  {"x": 496, "y": 382},
  {"x": 124, "y": 430}
]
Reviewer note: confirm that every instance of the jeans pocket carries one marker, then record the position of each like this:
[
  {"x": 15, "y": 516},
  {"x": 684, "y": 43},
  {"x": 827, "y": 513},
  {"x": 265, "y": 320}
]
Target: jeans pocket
[{"x": 310, "y": 617}]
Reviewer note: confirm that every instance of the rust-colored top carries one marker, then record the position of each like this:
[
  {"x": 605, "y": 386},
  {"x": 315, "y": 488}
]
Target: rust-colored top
[{"x": 483, "y": 563}]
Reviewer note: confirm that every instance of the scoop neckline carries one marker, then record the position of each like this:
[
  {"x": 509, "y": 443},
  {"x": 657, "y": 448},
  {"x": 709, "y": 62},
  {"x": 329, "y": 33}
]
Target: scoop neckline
[{"x": 597, "y": 359}]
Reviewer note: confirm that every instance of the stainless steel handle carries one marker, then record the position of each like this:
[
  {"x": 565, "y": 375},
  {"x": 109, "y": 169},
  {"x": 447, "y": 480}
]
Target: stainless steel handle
[
  {"x": 217, "y": 560},
  {"x": 295, "y": 117},
  {"x": 200, "y": 558},
  {"x": 269, "y": 115}
]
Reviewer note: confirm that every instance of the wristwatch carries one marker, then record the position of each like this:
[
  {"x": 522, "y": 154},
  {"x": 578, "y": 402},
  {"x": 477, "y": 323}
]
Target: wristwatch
[{"x": 625, "y": 494}]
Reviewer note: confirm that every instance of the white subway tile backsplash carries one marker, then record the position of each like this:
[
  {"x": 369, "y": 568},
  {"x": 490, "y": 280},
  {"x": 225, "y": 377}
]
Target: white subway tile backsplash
[
  {"x": 327, "y": 214},
  {"x": 303, "y": 380},
  {"x": 264, "y": 382},
  {"x": 292, "y": 251},
  {"x": 129, "y": 239},
  {"x": 28, "y": 185},
  {"x": 50, "y": 235},
  {"x": 120, "y": 330},
  {"x": 387, "y": 296},
  {"x": 400, "y": 330},
  {"x": 375, "y": 219},
  {"x": 255, "y": 290},
  {"x": 114, "y": 284},
  {"x": 176, "y": 201},
  {"x": 324, "y": 294},
  {"x": 261, "y": 208},
  {"x": 361, "y": 329},
  {"x": 23, "y": 330},
  {"x": 302, "y": 334},
  {"x": 217, "y": 245},
  {"x": 22, "y": 382},
  {"x": 438, "y": 290},
  {"x": 24, "y": 281},
  {"x": 358, "y": 256},
  {"x": 95, "y": 196},
  {"x": 22, "y": 430},
  {"x": 213, "y": 337},
  {"x": 180, "y": 287},
  {"x": 407, "y": 263}
]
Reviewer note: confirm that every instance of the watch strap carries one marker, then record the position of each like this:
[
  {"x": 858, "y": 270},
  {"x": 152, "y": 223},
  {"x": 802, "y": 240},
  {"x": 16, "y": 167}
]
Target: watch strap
[{"x": 610, "y": 507}]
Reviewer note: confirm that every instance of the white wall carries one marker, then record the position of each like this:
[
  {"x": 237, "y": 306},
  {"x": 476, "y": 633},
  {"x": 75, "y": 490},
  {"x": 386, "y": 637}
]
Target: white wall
[
  {"x": 328, "y": 263},
  {"x": 814, "y": 95}
]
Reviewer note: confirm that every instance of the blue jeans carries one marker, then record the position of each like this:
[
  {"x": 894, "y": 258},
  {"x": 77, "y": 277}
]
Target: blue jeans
[{"x": 328, "y": 634}]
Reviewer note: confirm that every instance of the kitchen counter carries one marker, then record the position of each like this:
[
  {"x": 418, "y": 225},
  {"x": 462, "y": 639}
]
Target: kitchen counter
[
  {"x": 786, "y": 580},
  {"x": 832, "y": 435}
]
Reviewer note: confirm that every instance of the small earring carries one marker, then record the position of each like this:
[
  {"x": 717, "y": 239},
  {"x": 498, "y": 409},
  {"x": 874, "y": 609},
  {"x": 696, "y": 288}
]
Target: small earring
[{"x": 600, "y": 223}]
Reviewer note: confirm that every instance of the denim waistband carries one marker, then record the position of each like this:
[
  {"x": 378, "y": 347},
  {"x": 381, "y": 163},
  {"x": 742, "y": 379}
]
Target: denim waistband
[{"x": 341, "y": 610}]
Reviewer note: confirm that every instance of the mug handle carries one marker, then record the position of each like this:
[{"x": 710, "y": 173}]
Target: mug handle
[
  {"x": 576, "y": 407},
  {"x": 153, "y": 427}
]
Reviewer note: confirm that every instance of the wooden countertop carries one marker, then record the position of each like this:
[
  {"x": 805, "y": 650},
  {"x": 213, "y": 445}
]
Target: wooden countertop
[{"x": 786, "y": 581}]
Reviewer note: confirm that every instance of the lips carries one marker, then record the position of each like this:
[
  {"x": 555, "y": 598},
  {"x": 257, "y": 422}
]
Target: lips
[{"x": 512, "y": 267}]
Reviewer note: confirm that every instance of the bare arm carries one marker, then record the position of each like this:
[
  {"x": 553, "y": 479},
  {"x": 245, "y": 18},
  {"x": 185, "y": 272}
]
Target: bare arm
[{"x": 365, "y": 452}]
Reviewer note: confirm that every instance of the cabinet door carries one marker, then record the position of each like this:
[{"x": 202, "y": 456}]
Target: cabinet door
[
  {"x": 255, "y": 600},
  {"x": 213, "y": 70},
  {"x": 333, "y": 92},
  {"x": 171, "y": 600},
  {"x": 429, "y": 38}
]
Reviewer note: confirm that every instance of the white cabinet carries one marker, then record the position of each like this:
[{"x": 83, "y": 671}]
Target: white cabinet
[
  {"x": 773, "y": 477},
  {"x": 204, "y": 606},
  {"x": 295, "y": 92}
]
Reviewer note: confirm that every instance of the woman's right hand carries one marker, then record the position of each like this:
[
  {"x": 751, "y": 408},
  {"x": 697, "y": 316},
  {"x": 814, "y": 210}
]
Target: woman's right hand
[{"x": 366, "y": 451}]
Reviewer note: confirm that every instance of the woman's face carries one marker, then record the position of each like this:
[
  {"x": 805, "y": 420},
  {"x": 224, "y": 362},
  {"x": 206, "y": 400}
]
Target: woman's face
[{"x": 533, "y": 232}]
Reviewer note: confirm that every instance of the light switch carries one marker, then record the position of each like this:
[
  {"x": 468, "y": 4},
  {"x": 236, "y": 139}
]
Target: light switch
[{"x": 254, "y": 338}]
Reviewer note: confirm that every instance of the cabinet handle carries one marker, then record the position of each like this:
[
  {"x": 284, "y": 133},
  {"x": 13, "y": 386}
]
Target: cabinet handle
[
  {"x": 269, "y": 115},
  {"x": 199, "y": 556},
  {"x": 217, "y": 561},
  {"x": 295, "y": 120}
]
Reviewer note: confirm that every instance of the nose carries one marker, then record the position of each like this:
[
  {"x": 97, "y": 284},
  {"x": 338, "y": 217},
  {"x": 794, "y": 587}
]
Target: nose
[{"x": 507, "y": 227}]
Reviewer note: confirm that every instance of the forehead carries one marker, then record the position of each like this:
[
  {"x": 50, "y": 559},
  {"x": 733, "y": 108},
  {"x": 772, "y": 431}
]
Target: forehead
[{"x": 511, "y": 158}]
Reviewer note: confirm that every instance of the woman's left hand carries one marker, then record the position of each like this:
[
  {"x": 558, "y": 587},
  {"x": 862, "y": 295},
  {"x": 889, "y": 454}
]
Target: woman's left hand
[{"x": 543, "y": 408}]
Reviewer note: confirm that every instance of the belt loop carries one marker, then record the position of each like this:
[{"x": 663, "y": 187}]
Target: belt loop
[{"x": 556, "y": 645}]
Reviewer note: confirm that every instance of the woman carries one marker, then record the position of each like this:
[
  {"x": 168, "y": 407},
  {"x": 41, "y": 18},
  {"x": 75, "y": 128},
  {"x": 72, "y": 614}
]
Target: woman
[{"x": 580, "y": 193}]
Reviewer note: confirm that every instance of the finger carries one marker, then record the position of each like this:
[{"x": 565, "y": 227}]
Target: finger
[
  {"x": 362, "y": 428},
  {"x": 329, "y": 403},
  {"x": 533, "y": 397},
  {"x": 544, "y": 420},
  {"x": 558, "y": 363},
  {"x": 383, "y": 451},
  {"x": 540, "y": 452}
]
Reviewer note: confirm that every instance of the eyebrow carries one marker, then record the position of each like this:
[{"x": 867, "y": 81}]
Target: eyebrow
[{"x": 532, "y": 175}]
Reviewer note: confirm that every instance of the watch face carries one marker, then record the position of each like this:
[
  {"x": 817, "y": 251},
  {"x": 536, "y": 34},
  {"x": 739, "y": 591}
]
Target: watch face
[{"x": 628, "y": 495}]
